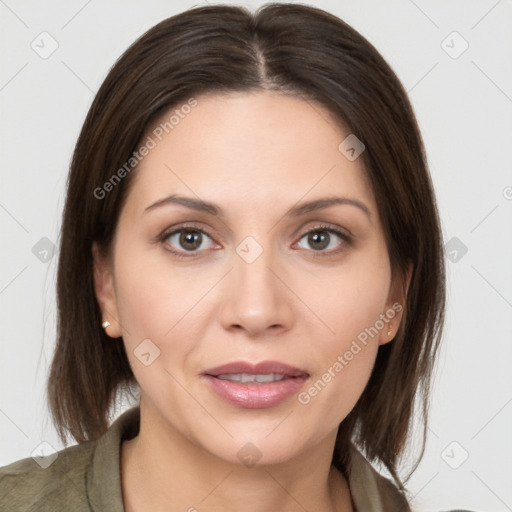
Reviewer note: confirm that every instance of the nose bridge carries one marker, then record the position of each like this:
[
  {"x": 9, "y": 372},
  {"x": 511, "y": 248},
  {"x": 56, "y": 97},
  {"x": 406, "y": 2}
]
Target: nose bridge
[
  {"x": 257, "y": 299},
  {"x": 252, "y": 269},
  {"x": 252, "y": 265}
]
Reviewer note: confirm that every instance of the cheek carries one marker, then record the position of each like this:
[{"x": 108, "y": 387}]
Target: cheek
[
  {"x": 164, "y": 303},
  {"x": 350, "y": 298},
  {"x": 343, "y": 362},
  {"x": 157, "y": 307},
  {"x": 351, "y": 307},
  {"x": 151, "y": 297}
]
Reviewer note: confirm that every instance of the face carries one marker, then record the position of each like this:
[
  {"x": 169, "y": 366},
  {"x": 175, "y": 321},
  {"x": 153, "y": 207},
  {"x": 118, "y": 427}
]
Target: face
[{"x": 254, "y": 276}]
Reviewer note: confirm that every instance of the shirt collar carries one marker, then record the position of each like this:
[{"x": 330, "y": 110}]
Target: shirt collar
[{"x": 104, "y": 475}]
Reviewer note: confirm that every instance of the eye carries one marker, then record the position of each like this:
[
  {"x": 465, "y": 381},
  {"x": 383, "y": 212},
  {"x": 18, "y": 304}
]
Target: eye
[
  {"x": 193, "y": 240},
  {"x": 322, "y": 238},
  {"x": 186, "y": 239}
]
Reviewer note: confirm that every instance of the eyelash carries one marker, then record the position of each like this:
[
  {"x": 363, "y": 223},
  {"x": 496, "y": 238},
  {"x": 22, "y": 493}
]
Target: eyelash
[{"x": 321, "y": 228}]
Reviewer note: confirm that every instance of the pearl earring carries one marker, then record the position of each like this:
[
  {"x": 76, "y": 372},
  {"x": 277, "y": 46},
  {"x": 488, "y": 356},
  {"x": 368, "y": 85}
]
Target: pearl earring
[
  {"x": 390, "y": 327},
  {"x": 105, "y": 324}
]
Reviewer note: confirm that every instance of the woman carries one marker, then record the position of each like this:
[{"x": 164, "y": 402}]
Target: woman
[{"x": 251, "y": 242}]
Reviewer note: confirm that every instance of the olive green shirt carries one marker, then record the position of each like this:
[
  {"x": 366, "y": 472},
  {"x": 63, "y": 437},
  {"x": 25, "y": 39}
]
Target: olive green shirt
[{"x": 86, "y": 477}]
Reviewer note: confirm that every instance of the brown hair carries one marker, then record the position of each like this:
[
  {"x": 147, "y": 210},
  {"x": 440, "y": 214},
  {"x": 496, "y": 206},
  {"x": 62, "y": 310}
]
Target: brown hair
[{"x": 297, "y": 50}]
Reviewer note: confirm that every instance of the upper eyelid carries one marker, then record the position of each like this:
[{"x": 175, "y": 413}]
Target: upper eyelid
[{"x": 192, "y": 226}]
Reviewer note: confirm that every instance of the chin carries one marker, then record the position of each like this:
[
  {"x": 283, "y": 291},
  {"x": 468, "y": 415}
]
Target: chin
[{"x": 257, "y": 449}]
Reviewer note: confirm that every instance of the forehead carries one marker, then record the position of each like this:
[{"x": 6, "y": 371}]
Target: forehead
[{"x": 247, "y": 148}]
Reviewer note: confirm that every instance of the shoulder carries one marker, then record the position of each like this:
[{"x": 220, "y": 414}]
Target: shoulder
[
  {"x": 48, "y": 483},
  {"x": 74, "y": 478},
  {"x": 371, "y": 491}
]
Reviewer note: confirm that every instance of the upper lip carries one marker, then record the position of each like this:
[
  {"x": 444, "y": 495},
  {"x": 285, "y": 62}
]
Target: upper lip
[{"x": 263, "y": 367}]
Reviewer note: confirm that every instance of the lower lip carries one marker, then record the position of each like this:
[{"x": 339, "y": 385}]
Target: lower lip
[{"x": 255, "y": 396}]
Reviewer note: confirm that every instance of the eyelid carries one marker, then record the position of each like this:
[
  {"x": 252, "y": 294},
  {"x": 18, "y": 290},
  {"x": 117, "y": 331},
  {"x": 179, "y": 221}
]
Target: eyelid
[
  {"x": 338, "y": 231},
  {"x": 176, "y": 229}
]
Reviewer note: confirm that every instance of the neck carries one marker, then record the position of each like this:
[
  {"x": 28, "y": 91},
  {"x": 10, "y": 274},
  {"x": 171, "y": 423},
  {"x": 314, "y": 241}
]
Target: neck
[{"x": 160, "y": 467}]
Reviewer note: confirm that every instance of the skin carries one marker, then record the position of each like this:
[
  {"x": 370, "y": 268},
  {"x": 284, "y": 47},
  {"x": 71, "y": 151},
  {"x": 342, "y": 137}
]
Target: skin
[{"x": 255, "y": 155}]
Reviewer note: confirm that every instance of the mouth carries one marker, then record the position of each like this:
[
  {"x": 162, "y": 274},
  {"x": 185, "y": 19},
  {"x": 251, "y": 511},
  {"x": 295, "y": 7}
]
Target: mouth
[
  {"x": 265, "y": 371},
  {"x": 257, "y": 379},
  {"x": 255, "y": 386}
]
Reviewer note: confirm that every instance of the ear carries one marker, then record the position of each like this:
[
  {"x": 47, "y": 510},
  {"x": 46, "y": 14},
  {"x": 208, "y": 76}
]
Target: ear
[
  {"x": 392, "y": 315},
  {"x": 105, "y": 291}
]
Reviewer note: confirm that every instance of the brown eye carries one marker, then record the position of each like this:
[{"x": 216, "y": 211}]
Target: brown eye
[
  {"x": 186, "y": 240},
  {"x": 190, "y": 240},
  {"x": 319, "y": 240},
  {"x": 323, "y": 238}
]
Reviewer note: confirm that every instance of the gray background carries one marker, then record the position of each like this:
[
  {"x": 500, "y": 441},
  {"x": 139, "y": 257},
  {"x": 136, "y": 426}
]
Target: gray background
[{"x": 464, "y": 105}]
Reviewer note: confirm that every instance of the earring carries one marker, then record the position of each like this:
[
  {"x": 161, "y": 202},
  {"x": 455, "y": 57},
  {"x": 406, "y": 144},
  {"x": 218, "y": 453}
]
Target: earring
[
  {"x": 105, "y": 324},
  {"x": 390, "y": 327}
]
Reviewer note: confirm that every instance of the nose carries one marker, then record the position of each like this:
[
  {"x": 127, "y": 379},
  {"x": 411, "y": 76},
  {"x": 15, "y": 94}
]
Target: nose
[{"x": 257, "y": 299}]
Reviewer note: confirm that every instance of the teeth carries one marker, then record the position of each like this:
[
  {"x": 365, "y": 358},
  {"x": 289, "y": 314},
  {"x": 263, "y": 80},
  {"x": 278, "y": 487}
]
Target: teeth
[{"x": 246, "y": 377}]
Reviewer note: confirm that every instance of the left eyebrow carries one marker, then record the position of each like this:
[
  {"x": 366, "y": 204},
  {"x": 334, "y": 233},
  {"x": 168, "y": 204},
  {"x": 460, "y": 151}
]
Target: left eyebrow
[
  {"x": 326, "y": 202},
  {"x": 295, "y": 211}
]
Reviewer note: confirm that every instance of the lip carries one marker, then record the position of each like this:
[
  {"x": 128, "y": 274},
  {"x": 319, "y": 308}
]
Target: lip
[
  {"x": 256, "y": 395},
  {"x": 256, "y": 368}
]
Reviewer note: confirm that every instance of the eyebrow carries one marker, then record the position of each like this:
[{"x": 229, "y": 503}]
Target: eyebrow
[{"x": 295, "y": 211}]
